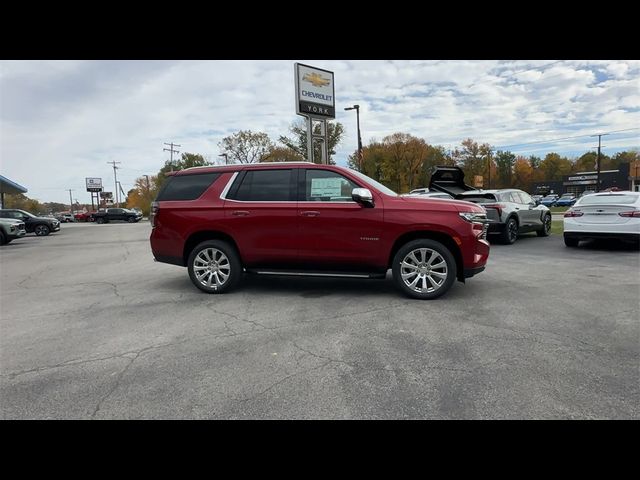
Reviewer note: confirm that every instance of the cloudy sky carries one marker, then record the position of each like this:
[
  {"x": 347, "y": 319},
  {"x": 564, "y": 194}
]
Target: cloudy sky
[{"x": 62, "y": 121}]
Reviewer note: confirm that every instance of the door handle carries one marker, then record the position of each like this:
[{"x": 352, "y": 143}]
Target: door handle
[
  {"x": 310, "y": 213},
  {"x": 240, "y": 213}
]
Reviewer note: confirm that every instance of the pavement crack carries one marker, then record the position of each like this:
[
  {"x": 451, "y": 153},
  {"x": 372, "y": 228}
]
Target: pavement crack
[{"x": 115, "y": 386}]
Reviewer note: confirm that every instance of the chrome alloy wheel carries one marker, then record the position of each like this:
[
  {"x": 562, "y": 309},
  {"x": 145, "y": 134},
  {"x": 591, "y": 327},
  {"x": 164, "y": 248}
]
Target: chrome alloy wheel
[
  {"x": 423, "y": 270},
  {"x": 211, "y": 267}
]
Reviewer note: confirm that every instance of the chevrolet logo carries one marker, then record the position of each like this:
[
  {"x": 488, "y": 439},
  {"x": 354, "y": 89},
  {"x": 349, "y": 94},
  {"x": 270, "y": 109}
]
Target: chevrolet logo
[{"x": 316, "y": 79}]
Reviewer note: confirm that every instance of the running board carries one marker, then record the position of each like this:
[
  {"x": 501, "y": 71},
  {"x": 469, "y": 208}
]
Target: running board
[{"x": 315, "y": 274}]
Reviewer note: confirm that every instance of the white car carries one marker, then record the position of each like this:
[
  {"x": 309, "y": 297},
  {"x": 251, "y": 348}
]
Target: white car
[
  {"x": 425, "y": 193},
  {"x": 603, "y": 215}
]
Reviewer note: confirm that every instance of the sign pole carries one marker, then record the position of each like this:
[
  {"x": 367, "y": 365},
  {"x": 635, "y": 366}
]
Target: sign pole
[{"x": 310, "y": 139}]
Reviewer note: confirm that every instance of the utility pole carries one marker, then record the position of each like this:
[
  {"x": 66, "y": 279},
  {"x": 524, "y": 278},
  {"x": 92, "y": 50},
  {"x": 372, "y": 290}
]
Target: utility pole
[
  {"x": 226, "y": 158},
  {"x": 172, "y": 151},
  {"x": 70, "y": 202},
  {"x": 115, "y": 180},
  {"x": 148, "y": 185},
  {"x": 599, "y": 135}
]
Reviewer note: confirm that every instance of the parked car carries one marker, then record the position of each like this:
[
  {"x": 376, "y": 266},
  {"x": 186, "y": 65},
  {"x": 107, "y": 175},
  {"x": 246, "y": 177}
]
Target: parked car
[
  {"x": 40, "y": 225},
  {"x": 603, "y": 215},
  {"x": 549, "y": 200},
  {"x": 83, "y": 216},
  {"x": 537, "y": 198},
  {"x": 566, "y": 200},
  {"x": 116, "y": 215},
  {"x": 10, "y": 229},
  {"x": 509, "y": 211},
  {"x": 302, "y": 218}
]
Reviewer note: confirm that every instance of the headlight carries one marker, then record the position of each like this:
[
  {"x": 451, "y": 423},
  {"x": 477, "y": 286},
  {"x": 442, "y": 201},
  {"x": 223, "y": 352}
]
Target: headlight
[{"x": 474, "y": 217}]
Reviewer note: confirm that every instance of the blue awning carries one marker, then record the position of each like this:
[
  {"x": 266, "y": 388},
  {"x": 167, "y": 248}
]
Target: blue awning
[{"x": 7, "y": 186}]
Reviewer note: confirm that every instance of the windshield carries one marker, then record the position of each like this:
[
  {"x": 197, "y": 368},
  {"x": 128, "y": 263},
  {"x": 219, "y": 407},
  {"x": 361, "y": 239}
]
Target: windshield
[
  {"x": 373, "y": 183},
  {"x": 603, "y": 199}
]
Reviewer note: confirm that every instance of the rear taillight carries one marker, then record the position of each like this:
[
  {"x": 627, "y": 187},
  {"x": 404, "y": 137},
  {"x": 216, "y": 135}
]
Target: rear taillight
[
  {"x": 631, "y": 213},
  {"x": 573, "y": 213},
  {"x": 497, "y": 206},
  {"x": 155, "y": 207}
]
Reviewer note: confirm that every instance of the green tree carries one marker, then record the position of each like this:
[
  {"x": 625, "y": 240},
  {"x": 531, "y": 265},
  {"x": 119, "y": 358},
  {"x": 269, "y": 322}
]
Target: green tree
[
  {"x": 246, "y": 146},
  {"x": 22, "y": 202},
  {"x": 298, "y": 141},
  {"x": 614, "y": 162},
  {"x": 283, "y": 154},
  {"x": 554, "y": 166},
  {"x": 504, "y": 168}
]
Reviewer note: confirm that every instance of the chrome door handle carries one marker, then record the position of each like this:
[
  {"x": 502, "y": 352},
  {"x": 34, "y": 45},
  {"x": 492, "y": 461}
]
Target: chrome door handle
[
  {"x": 240, "y": 213},
  {"x": 310, "y": 213}
]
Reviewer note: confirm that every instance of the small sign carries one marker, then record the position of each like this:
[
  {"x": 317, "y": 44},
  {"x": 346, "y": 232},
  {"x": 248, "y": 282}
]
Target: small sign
[
  {"x": 326, "y": 187},
  {"x": 478, "y": 181},
  {"x": 94, "y": 184}
]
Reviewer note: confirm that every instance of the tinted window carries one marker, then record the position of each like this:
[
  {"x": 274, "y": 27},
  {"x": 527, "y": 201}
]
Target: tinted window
[
  {"x": 604, "y": 199},
  {"x": 264, "y": 186},
  {"x": 186, "y": 187},
  {"x": 327, "y": 186}
]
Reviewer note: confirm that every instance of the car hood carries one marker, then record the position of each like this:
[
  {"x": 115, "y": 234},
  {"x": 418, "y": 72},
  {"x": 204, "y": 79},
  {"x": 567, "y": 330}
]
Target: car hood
[
  {"x": 44, "y": 219},
  {"x": 443, "y": 203}
]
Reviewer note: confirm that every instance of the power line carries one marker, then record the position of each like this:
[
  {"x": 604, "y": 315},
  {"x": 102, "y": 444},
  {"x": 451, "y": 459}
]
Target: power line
[
  {"x": 172, "y": 152},
  {"x": 563, "y": 138}
]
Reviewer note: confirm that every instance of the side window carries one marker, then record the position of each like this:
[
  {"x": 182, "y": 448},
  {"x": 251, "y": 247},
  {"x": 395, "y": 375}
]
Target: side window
[
  {"x": 264, "y": 186},
  {"x": 186, "y": 187},
  {"x": 327, "y": 186},
  {"x": 512, "y": 197},
  {"x": 526, "y": 198}
]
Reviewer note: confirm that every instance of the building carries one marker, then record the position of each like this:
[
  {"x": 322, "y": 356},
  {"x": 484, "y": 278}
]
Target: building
[
  {"x": 10, "y": 187},
  {"x": 577, "y": 183}
]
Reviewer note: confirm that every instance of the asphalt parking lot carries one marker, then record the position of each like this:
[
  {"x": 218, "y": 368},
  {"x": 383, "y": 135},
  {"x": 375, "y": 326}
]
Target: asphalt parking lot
[{"x": 92, "y": 328}]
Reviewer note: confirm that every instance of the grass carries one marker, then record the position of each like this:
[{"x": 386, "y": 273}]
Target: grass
[
  {"x": 558, "y": 209},
  {"x": 557, "y": 227}
]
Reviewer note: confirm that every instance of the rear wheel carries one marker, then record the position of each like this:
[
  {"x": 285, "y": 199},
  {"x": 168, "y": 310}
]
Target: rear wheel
[
  {"x": 424, "y": 269},
  {"x": 99, "y": 220},
  {"x": 131, "y": 220},
  {"x": 571, "y": 241},
  {"x": 3, "y": 239},
  {"x": 42, "y": 230},
  {"x": 214, "y": 266},
  {"x": 546, "y": 227},
  {"x": 510, "y": 232}
]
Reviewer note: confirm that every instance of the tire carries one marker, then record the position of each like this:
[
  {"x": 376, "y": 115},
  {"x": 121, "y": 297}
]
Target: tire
[
  {"x": 509, "y": 233},
  {"x": 212, "y": 281},
  {"x": 546, "y": 227},
  {"x": 3, "y": 239},
  {"x": 100, "y": 220},
  {"x": 131, "y": 220},
  {"x": 42, "y": 230},
  {"x": 571, "y": 241},
  {"x": 420, "y": 253}
]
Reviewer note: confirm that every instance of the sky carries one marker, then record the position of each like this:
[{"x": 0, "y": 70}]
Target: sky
[{"x": 62, "y": 121}]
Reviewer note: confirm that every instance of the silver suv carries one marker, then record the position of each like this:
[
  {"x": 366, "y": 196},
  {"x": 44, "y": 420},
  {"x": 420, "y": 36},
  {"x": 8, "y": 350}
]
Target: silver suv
[{"x": 509, "y": 211}]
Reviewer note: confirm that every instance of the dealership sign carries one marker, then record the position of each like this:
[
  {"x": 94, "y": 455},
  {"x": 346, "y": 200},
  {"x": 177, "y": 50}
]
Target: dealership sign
[
  {"x": 583, "y": 177},
  {"x": 315, "y": 93},
  {"x": 94, "y": 184}
]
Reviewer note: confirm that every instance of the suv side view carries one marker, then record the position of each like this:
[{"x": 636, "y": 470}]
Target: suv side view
[{"x": 301, "y": 218}]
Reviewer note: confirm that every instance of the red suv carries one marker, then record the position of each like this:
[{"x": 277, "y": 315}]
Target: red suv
[{"x": 307, "y": 219}]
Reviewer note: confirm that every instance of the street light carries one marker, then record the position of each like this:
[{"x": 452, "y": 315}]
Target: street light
[
  {"x": 357, "y": 109},
  {"x": 226, "y": 158}
]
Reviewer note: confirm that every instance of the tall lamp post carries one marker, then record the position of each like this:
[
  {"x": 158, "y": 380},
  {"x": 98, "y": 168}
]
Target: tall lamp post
[
  {"x": 226, "y": 158},
  {"x": 357, "y": 109}
]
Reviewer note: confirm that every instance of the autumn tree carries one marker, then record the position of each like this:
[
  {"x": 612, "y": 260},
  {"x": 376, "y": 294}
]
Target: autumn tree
[
  {"x": 246, "y": 146},
  {"x": 144, "y": 192},
  {"x": 298, "y": 141},
  {"x": 522, "y": 174},
  {"x": 504, "y": 168},
  {"x": 554, "y": 166},
  {"x": 283, "y": 154},
  {"x": 22, "y": 202},
  {"x": 475, "y": 159}
]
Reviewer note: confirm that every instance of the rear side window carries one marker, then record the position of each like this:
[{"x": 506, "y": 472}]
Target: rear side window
[
  {"x": 484, "y": 198},
  {"x": 264, "y": 186},
  {"x": 186, "y": 187}
]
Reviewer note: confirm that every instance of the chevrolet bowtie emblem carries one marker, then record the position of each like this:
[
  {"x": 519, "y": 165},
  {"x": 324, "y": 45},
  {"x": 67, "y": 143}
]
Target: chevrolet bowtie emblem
[{"x": 316, "y": 79}]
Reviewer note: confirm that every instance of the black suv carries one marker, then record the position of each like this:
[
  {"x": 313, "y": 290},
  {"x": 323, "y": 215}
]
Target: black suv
[{"x": 40, "y": 225}]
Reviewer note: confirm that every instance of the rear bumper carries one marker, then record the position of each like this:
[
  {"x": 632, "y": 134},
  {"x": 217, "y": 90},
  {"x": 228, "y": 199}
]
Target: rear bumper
[
  {"x": 634, "y": 237},
  {"x": 171, "y": 260}
]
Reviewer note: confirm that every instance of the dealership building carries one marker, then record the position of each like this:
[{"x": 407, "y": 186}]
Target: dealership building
[
  {"x": 9, "y": 187},
  {"x": 624, "y": 178}
]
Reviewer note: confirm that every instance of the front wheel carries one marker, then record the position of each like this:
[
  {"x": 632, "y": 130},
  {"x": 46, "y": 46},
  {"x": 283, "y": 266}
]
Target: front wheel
[
  {"x": 546, "y": 227},
  {"x": 424, "y": 269},
  {"x": 42, "y": 230},
  {"x": 131, "y": 220},
  {"x": 214, "y": 266},
  {"x": 100, "y": 220},
  {"x": 3, "y": 239}
]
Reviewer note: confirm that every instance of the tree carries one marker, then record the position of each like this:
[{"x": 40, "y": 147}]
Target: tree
[
  {"x": 504, "y": 168},
  {"x": 143, "y": 193},
  {"x": 246, "y": 146},
  {"x": 554, "y": 166},
  {"x": 283, "y": 154},
  {"x": 475, "y": 159},
  {"x": 22, "y": 202},
  {"x": 522, "y": 174},
  {"x": 586, "y": 163},
  {"x": 614, "y": 162},
  {"x": 298, "y": 142}
]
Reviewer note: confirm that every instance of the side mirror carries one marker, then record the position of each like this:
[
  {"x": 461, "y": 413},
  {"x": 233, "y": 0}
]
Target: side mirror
[
  {"x": 363, "y": 196},
  {"x": 535, "y": 203}
]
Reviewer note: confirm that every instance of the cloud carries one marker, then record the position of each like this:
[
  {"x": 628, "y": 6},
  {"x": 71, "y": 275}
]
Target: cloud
[{"x": 61, "y": 121}]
